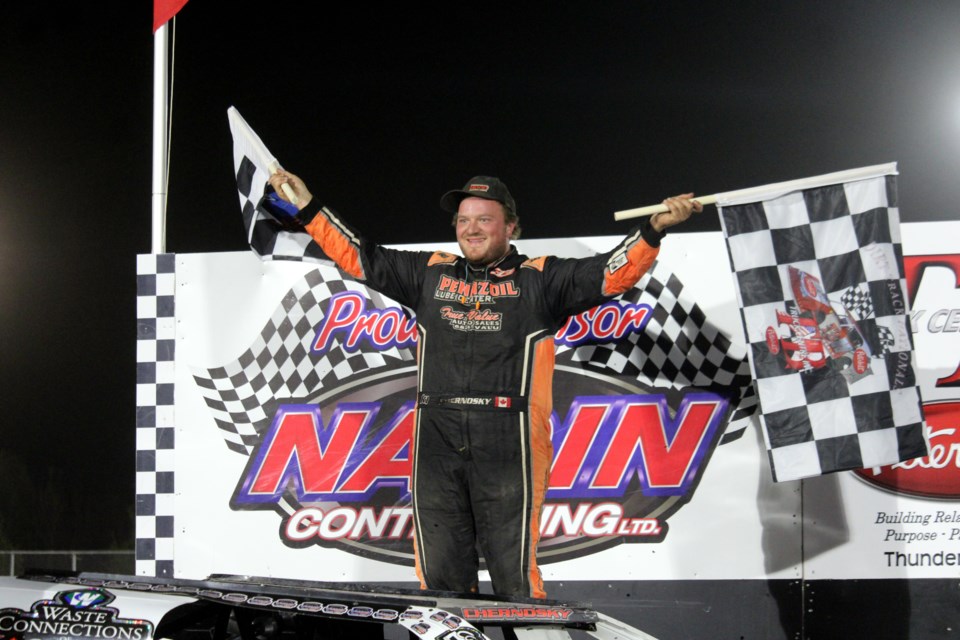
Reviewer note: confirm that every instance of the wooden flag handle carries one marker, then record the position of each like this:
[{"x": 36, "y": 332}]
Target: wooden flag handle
[
  {"x": 287, "y": 189},
  {"x": 775, "y": 190},
  {"x": 657, "y": 208}
]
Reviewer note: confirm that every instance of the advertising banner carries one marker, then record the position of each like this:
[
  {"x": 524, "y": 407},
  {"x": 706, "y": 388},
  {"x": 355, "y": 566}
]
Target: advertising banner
[
  {"x": 903, "y": 520},
  {"x": 293, "y": 389},
  {"x": 274, "y": 417}
]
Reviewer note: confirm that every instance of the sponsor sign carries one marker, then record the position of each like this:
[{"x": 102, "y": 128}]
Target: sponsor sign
[
  {"x": 325, "y": 479},
  {"x": 336, "y": 468},
  {"x": 937, "y": 476},
  {"x": 78, "y": 613},
  {"x": 903, "y": 520}
]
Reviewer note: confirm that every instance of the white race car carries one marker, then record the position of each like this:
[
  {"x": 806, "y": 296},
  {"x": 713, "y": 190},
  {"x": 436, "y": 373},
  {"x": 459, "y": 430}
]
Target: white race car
[{"x": 91, "y": 606}]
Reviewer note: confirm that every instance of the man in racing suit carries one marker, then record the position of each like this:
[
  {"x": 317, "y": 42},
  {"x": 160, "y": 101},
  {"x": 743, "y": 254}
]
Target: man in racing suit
[{"x": 485, "y": 350}]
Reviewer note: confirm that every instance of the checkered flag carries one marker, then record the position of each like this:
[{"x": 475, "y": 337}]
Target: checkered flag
[
  {"x": 678, "y": 348},
  {"x": 857, "y": 301},
  {"x": 835, "y": 392},
  {"x": 280, "y": 364},
  {"x": 886, "y": 341},
  {"x": 271, "y": 232}
]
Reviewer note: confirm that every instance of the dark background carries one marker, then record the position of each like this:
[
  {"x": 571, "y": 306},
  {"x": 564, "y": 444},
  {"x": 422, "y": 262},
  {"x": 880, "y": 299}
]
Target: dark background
[{"x": 582, "y": 108}]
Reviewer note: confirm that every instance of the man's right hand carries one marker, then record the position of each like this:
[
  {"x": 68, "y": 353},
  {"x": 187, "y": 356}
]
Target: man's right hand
[{"x": 281, "y": 177}]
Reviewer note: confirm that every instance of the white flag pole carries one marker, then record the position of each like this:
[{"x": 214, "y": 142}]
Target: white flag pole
[
  {"x": 658, "y": 208},
  {"x": 775, "y": 190},
  {"x": 160, "y": 88}
]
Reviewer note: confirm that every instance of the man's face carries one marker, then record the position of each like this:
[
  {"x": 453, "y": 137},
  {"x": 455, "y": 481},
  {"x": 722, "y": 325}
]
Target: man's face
[{"x": 482, "y": 230}]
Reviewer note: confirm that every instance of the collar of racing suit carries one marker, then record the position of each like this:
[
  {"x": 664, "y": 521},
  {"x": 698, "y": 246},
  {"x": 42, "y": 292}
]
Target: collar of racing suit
[
  {"x": 510, "y": 259},
  {"x": 477, "y": 271}
]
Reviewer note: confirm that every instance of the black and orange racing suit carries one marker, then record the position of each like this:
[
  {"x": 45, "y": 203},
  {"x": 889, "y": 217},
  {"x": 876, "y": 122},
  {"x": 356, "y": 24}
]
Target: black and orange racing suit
[{"x": 485, "y": 351}]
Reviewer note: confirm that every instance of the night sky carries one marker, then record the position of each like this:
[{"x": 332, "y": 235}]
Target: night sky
[{"x": 583, "y": 109}]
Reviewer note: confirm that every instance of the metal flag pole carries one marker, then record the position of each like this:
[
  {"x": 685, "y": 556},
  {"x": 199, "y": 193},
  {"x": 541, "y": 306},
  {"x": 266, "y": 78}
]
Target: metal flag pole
[{"x": 160, "y": 150}]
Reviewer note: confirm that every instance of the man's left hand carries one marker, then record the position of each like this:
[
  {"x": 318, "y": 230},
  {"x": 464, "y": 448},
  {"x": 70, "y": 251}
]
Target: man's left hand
[{"x": 679, "y": 209}]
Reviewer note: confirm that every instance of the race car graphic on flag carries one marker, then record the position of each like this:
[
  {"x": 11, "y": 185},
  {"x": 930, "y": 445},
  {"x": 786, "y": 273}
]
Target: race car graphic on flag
[{"x": 814, "y": 332}]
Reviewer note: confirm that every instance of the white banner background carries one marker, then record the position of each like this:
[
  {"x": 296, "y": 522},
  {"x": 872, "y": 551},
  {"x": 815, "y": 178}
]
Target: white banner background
[
  {"x": 737, "y": 525},
  {"x": 843, "y": 538}
]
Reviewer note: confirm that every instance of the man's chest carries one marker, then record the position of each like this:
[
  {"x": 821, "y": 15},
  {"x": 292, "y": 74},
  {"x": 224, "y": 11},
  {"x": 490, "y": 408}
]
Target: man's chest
[{"x": 502, "y": 301}]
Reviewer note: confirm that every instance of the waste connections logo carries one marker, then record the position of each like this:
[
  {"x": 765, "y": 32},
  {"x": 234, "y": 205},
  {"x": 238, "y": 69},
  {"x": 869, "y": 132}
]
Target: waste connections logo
[
  {"x": 336, "y": 464},
  {"x": 79, "y": 613}
]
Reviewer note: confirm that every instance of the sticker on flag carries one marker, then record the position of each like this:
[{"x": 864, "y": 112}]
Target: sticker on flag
[{"x": 818, "y": 271}]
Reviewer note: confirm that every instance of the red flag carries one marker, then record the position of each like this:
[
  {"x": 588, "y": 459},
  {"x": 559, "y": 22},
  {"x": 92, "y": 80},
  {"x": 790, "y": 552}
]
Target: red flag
[{"x": 163, "y": 10}]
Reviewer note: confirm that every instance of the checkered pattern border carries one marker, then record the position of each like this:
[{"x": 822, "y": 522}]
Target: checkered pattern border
[
  {"x": 156, "y": 337},
  {"x": 677, "y": 349},
  {"x": 856, "y": 402},
  {"x": 279, "y": 365}
]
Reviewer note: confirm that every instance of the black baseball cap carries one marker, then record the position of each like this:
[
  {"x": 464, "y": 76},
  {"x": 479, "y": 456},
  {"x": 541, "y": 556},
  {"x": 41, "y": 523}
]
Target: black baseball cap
[{"x": 485, "y": 187}]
